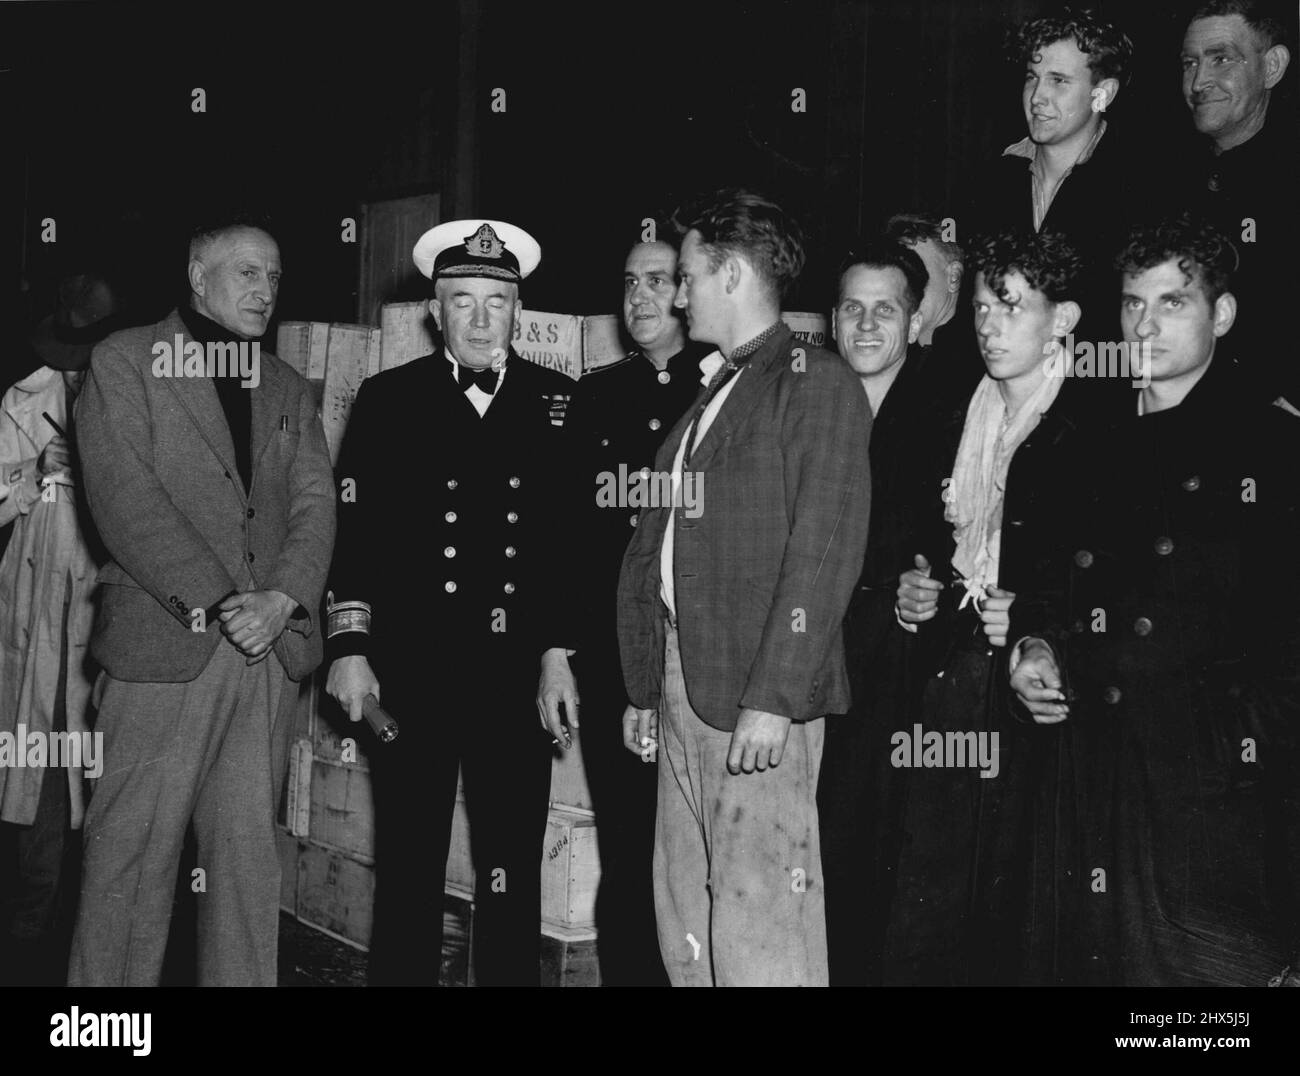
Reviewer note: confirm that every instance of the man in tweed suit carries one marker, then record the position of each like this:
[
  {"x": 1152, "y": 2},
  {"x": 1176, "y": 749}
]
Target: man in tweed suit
[
  {"x": 210, "y": 484},
  {"x": 730, "y": 605}
]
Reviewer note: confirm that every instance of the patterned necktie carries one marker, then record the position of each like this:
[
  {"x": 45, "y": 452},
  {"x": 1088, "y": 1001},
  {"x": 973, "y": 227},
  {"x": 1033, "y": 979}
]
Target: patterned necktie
[{"x": 724, "y": 374}]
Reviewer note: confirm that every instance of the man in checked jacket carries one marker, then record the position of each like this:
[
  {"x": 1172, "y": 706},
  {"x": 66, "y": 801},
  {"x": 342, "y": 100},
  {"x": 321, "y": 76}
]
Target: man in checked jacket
[{"x": 730, "y": 605}]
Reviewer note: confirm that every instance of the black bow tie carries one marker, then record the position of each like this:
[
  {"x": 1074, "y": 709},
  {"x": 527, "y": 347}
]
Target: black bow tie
[{"x": 484, "y": 379}]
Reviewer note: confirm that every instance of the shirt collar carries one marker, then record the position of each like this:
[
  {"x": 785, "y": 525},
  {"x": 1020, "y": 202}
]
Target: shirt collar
[
  {"x": 501, "y": 370},
  {"x": 750, "y": 346},
  {"x": 1028, "y": 149}
]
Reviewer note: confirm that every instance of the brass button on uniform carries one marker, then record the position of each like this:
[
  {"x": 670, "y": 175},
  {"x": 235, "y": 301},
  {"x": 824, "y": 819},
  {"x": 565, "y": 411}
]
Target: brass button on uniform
[
  {"x": 510, "y": 551},
  {"x": 1112, "y": 695},
  {"x": 1083, "y": 559},
  {"x": 654, "y": 423},
  {"x": 450, "y": 517},
  {"x": 644, "y": 472},
  {"x": 604, "y": 442},
  {"x": 452, "y": 483},
  {"x": 450, "y": 551},
  {"x": 449, "y": 586},
  {"x": 663, "y": 377},
  {"x": 509, "y": 588},
  {"x": 514, "y": 482},
  {"x": 1164, "y": 546},
  {"x": 632, "y": 521},
  {"x": 512, "y": 517},
  {"x": 1192, "y": 484},
  {"x": 1142, "y": 626}
]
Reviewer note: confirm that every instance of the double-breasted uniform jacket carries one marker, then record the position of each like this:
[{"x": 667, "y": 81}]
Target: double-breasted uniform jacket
[
  {"x": 618, "y": 418},
  {"x": 164, "y": 491},
  {"x": 778, "y": 546},
  {"x": 455, "y": 530},
  {"x": 1171, "y": 602}
]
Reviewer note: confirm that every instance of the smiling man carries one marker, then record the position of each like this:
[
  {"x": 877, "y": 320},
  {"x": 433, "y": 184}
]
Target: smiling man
[
  {"x": 215, "y": 504},
  {"x": 1069, "y": 174},
  {"x": 875, "y": 322},
  {"x": 1242, "y": 180},
  {"x": 1176, "y": 724}
]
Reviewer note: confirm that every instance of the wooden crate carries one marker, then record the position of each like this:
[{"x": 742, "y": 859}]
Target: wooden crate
[
  {"x": 407, "y": 333},
  {"x": 335, "y": 893},
  {"x": 550, "y": 340},
  {"x": 342, "y": 809},
  {"x": 287, "y": 846},
  {"x": 460, "y": 864},
  {"x": 569, "y": 781},
  {"x": 601, "y": 343},
  {"x": 570, "y": 869},
  {"x": 347, "y": 364},
  {"x": 569, "y": 957},
  {"x": 810, "y": 328}
]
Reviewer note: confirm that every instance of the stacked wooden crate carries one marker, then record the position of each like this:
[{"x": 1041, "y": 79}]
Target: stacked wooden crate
[{"x": 327, "y": 825}]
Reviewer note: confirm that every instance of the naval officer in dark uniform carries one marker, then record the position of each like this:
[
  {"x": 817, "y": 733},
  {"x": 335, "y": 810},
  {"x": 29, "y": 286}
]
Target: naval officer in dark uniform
[
  {"x": 619, "y": 417},
  {"x": 448, "y": 590}
]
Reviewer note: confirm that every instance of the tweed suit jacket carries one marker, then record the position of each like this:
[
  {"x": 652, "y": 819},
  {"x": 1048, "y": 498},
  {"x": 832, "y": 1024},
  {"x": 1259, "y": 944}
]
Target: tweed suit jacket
[
  {"x": 160, "y": 478},
  {"x": 763, "y": 574}
]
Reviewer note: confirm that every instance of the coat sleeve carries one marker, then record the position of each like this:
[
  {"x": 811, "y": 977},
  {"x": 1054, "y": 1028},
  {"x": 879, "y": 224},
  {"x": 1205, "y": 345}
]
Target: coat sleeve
[
  {"x": 360, "y": 527},
  {"x": 825, "y": 436},
  {"x": 19, "y": 480},
  {"x": 301, "y": 566},
  {"x": 141, "y": 527}
]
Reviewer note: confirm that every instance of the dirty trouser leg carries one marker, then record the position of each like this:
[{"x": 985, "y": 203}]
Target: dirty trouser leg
[
  {"x": 756, "y": 838},
  {"x": 681, "y": 858},
  {"x": 769, "y": 915}
]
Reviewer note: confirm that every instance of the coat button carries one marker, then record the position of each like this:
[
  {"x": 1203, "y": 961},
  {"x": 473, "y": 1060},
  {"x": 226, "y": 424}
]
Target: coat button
[
  {"x": 1164, "y": 546},
  {"x": 512, "y": 517},
  {"x": 1192, "y": 484},
  {"x": 449, "y": 586},
  {"x": 1142, "y": 626},
  {"x": 251, "y": 513},
  {"x": 514, "y": 482},
  {"x": 644, "y": 473},
  {"x": 452, "y": 483},
  {"x": 663, "y": 377},
  {"x": 450, "y": 517},
  {"x": 654, "y": 423},
  {"x": 252, "y": 557},
  {"x": 450, "y": 551},
  {"x": 1112, "y": 695},
  {"x": 604, "y": 442},
  {"x": 632, "y": 520},
  {"x": 1083, "y": 559},
  {"x": 509, "y": 588},
  {"x": 511, "y": 551}
]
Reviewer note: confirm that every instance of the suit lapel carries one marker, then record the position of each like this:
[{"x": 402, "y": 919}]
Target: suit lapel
[
  {"x": 745, "y": 393},
  {"x": 199, "y": 398},
  {"x": 267, "y": 409}
]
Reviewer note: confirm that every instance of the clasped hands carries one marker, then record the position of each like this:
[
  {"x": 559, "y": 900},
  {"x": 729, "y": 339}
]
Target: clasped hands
[{"x": 253, "y": 620}]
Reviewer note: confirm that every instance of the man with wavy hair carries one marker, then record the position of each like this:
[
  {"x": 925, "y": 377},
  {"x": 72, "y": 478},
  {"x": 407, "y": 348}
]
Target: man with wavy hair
[
  {"x": 1163, "y": 648},
  {"x": 730, "y": 617}
]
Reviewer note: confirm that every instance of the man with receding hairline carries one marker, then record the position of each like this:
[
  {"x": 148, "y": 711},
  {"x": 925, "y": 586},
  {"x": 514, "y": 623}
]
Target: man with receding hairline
[
  {"x": 213, "y": 495},
  {"x": 1242, "y": 176}
]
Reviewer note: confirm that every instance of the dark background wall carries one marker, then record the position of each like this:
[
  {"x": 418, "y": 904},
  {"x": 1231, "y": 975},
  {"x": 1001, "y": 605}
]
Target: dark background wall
[{"x": 613, "y": 113}]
